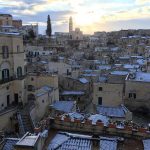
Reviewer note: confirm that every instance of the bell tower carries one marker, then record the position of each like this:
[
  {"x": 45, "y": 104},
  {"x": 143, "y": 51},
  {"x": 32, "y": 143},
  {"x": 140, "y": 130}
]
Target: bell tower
[{"x": 70, "y": 25}]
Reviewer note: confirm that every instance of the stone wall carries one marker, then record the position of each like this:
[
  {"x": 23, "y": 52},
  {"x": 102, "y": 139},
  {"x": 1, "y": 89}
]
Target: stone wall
[{"x": 99, "y": 128}]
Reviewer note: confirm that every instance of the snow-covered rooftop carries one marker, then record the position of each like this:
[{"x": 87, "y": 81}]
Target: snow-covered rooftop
[
  {"x": 104, "y": 67},
  {"x": 137, "y": 57},
  {"x": 141, "y": 61},
  {"x": 99, "y": 117},
  {"x": 9, "y": 143},
  {"x": 130, "y": 66},
  {"x": 73, "y": 93},
  {"x": 68, "y": 141},
  {"x": 65, "y": 106},
  {"x": 121, "y": 73},
  {"x": 146, "y": 144},
  {"x": 43, "y": 90},
  {"x": 102, "y": 79},
  {"x": 58, "y": 140},
  {"x": 76, "y": 115},
  {"x": 10, "y": 33},
  {"x": 28, "y": 140},
  {"x": 43, "y": 62},
  {"x": 83, "y": 80},
  {"x": 108, "y": 143},
  {"x": 125, "y": 57},
  {"x": 112, "y": 111},
  {"x": 89, "y": 75},
  {"x": 141, "y": 77},
  {"x": 114, "y": 49}
]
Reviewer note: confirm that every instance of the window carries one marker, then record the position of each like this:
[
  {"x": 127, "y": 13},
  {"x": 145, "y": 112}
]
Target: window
[
  {"x": 100, "y": 89},
  {"x": 31, "y": 88},
  {"x": 5, "y": 74},
  {"x": 19, "y": 72},
  {"x": 100, "y": 101},
  {"x": 132, "y": 95},
  {"x": 8, "y": 100},
  {"x": 5, "y": 52}
]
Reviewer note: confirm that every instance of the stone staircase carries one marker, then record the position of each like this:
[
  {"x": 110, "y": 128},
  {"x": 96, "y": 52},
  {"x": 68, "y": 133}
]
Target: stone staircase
[{"x": 24, "y": 121}]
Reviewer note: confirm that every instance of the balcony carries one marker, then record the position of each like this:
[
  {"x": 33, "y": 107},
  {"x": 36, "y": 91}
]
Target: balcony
[
  {"x": 3, "y": 81},
  {"x": 8, "y": 109},
  {"x": 31, "y": 88}
]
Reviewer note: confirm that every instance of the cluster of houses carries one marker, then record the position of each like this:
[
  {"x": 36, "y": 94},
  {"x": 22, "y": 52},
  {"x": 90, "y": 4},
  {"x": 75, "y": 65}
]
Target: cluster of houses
[{"x": 103, "y": 77}]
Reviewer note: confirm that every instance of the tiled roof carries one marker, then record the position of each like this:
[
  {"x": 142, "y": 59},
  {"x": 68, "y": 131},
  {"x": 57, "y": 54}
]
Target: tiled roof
[
  {"x": 111, "y": 111},
  {"x": 73, "y": 93},
  {"x": 108, "y": 143},
  {"x": 65, "y": 106},
  {"x": 9, "y": 143},
  {"x": 66, "y": 141},
  {"x": 146, "y": 144}
]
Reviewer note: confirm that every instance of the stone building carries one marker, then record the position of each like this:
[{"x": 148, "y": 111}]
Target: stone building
[
  {"x": 5, "y": 20},
  {"x": 12, "y": 75},
  {"x": 137, "y": 91},
  {"x": 108, "y": 94}
]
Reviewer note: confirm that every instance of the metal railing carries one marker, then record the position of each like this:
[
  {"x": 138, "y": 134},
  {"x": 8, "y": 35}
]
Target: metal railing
[
  {"x": 21, "y": 126},
  {"x": 3, "y": 81}
]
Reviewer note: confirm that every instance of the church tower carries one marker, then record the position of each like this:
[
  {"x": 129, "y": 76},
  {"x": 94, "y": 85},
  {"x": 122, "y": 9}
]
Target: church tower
[{"x": 70, "y": 25}]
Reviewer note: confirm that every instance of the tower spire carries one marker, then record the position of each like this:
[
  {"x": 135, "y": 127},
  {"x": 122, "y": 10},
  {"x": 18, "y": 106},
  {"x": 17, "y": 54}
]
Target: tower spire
[{"x": 70, "y": 25}]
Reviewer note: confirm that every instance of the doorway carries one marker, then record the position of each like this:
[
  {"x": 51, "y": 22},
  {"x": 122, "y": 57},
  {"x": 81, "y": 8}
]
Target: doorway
[
  {"x": 8, "y": 100},
  {"x": 16, "y": 98}
]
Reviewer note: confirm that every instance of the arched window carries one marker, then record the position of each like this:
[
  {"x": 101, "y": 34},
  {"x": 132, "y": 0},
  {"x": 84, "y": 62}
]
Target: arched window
[
  {"x": 5, "y": 74},
  {"x": 5, "y": 52},
  {"x": 19, "y": 72}
]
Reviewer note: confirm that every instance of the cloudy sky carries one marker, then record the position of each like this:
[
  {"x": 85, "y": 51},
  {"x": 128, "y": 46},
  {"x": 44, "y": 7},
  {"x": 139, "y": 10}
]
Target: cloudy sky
[{"x": 88, "y": 15}]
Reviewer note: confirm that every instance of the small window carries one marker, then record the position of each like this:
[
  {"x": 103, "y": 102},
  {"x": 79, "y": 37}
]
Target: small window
[
  {"x": 32, "y": 79},
  {"x": 19, "y": 72},
  {"x": 2, "y": 105},
  {"x": 42, "y": 101},
  {"x": 5, "y": 52},
  {"x": 5, "y": 74},
  {"x": 132, "y": 95},
  {"x": 100, "y": 89}
]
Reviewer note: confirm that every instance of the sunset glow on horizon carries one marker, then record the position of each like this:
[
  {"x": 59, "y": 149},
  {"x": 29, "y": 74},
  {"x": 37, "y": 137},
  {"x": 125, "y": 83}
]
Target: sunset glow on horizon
[{"x": 88, "y": 15}]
